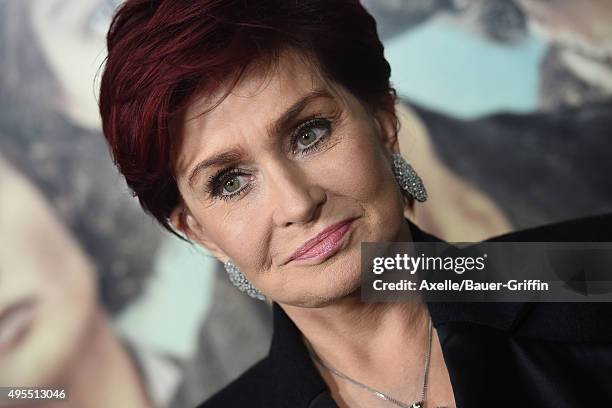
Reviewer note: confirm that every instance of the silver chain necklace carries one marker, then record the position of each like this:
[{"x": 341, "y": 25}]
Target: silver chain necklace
[{"x": 418, "y": 404}]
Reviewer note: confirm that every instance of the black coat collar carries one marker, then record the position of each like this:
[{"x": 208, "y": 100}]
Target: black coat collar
[
  {"x": 486, "y": 326},
  {"x": 497, "y": 354},
  {"x": 292, "y": 364},
  {"x": 501, "y": 316}
]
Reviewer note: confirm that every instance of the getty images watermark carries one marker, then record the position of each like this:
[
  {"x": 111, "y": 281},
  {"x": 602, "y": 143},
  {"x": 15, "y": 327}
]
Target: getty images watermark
[{"x": 494, "y": 271}]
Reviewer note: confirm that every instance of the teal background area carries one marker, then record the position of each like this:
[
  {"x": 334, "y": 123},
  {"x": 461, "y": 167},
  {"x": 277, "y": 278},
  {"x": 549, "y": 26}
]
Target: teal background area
[
  {"x": 168, "y": 316},
  {"x": 446, "y": 68}
]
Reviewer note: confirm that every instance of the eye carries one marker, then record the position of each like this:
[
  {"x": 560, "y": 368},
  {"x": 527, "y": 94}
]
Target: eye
[
  {"x": 308, "y": 135},
  {"x": 229, "y": 183}
]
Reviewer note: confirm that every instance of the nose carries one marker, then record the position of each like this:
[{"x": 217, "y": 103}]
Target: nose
[{"x": 295, "y": 197}]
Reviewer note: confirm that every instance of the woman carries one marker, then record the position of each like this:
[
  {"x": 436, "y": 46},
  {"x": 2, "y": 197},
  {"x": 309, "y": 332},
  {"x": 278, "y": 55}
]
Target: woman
[{"x": 266, "y": 132}]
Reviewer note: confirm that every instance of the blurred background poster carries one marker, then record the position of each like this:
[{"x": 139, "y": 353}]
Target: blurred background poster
[{"x": 514, "y": 112}]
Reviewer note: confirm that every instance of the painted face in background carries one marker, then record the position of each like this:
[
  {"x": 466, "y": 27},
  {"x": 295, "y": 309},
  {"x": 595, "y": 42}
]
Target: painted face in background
[
  {"x": 71, "y": 34},
  {"x": 584, "y": 24},
  {"x": 48, "y": 291},
  {"x": 301, "y": 156},
  {"x": 47, "y": 288}
]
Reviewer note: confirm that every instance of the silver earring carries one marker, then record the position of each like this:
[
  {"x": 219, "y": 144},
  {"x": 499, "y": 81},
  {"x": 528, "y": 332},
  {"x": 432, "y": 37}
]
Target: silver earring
[
  {"x": 408, "y": 179},
  {"x": 241, "y": 282}
]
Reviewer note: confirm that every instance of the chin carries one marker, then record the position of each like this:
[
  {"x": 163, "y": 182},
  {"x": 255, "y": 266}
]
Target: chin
[{"x": 329, "y": 284}]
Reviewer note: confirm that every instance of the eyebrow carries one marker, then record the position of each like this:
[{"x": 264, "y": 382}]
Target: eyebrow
[{"x": 277, "y": 127}]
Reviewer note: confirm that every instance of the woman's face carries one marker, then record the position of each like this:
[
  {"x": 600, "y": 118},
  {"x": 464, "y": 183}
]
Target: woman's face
[
  {"x": 284, "y": 157},
  {"x": 47, "y": 289}
]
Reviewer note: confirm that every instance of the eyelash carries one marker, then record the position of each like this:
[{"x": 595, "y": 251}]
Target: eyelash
[{"x": 218, "y": 180}]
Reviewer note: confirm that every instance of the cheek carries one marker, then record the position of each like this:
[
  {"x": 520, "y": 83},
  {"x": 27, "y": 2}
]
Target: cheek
[
  {"x": 353, "y": 172},
  {"x": 364, "y": 173},
  {"x": 247, "y": 244},
  {"x": 240, "y": 230},
  {"x": 365, "y": 179}
]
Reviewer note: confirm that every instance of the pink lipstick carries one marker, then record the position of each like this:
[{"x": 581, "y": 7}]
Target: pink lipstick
[{"x": 324, "y": 244}]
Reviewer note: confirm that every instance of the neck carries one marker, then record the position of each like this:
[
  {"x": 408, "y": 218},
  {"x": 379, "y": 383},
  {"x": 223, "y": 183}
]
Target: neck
[
  {"x": 104, "y": 375},
  {"x": 382, "y": 345},
  {"x": 379, "y": 344},
  {"x": 349, "y": 332}
]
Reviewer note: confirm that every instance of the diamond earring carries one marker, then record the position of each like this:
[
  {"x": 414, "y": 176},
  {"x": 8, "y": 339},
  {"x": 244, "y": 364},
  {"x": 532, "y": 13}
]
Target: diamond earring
[
  {"x": 408, "y": 179},
  {"x": 241, "y": 282}
]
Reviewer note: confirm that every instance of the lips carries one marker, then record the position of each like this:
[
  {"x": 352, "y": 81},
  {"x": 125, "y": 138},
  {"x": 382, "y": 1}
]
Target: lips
[
  {"x": 322, "y": 242},
  {"x": 15, "y": 322}
]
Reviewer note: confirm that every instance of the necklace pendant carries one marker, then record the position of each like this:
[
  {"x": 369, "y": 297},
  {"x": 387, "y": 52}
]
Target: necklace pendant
[{"x": 417, "y": 405}]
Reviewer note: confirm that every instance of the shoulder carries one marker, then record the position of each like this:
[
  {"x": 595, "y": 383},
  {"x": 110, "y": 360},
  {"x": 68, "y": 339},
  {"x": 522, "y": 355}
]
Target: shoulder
[
  {"x": 584, "y": 322},
  {"x": 596, "y": 228},
  {"x": 247, "y": 390},
  {"x": 558, "y": 321},
  {"x": 566, "y": 322}
]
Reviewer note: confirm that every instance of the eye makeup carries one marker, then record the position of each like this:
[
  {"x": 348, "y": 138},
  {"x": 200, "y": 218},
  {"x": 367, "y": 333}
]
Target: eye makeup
[{"x": 231, "y": 183}]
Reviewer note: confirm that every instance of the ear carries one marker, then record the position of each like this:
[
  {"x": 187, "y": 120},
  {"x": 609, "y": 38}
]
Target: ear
[
  {"x": 185, "y": 223},
  {"x": 387, "y": 125}
]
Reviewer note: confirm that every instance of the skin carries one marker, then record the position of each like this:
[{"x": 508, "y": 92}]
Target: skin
[
  {"x": 70, "y": 339},
  {"x": 287, "y": 198},
  {"x": 55, "y": 284},
  {"x": 291, "y": 197}
]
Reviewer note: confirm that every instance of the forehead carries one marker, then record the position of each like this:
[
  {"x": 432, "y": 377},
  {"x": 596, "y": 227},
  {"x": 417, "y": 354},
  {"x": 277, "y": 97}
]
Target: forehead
[{"x": 260, "y": 97}]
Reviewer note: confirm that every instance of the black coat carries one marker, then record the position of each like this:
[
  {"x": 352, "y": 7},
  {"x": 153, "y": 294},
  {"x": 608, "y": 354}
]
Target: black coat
[{"x": 556, "y": 355}]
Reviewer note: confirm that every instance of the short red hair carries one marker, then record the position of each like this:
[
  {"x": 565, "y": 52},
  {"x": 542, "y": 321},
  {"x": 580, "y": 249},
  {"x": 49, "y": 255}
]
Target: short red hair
[{"x": 162, "y": 53}]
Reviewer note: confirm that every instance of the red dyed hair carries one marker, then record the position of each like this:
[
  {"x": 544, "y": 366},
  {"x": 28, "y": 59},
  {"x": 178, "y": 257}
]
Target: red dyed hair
[{"x": 162, "y": 53}]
